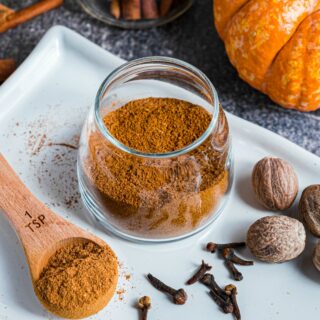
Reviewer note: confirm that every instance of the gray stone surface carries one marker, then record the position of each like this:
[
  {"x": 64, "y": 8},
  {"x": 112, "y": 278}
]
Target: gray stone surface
[{"x": 191, "y": 38}]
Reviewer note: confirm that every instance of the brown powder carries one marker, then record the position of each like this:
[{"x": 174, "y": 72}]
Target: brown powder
[
  {"x": 158, "y": 197},
  {"x": 156, "y": 125},
  {"x": 79, "y": 280}
]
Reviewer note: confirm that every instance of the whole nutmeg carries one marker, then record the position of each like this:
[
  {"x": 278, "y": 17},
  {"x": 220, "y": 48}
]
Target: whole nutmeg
[
  {"x": 276, "y": 238},
  {"x": 316, "y": 256},
  {"x": 309, "y": 208},
  {"x": 275, "y": 183}
]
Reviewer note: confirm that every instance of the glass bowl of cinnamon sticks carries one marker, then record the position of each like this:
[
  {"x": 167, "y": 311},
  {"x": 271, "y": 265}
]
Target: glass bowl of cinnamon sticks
[{"x": 135, "y": 14}]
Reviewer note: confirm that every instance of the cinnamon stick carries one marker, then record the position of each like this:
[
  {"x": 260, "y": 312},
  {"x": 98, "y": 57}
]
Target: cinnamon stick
[
  {"x": 7, "y": 66},
  {"x": 15, "y": 18},
  {"x": 131, "y": 9},
  {"x": 4, "y": 11},
  {"x": 115, "y": 9},
  {"x": 150, "y": 9},
  {"x": 165, "y": 6}
]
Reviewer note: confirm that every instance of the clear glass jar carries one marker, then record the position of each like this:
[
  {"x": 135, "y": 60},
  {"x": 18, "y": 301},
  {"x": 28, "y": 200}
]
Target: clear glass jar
[{"x": 148, "y": 196}]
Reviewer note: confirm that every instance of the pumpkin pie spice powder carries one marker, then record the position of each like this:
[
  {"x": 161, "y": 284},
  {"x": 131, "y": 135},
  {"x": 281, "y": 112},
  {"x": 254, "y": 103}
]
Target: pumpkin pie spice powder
[
  {"x": 79, "y": 279},
  {"x": 159, "y": 197}
]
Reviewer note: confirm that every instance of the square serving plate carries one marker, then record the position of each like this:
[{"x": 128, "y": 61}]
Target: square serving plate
[{"x": 42, "y": 109}]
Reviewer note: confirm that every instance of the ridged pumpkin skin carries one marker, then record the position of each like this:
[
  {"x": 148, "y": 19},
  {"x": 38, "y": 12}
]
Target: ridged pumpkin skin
[{"x": 275, "y": 47}]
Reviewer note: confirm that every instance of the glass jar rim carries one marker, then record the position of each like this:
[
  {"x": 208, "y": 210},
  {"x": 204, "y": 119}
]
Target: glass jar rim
[{"x": 151, "y": 60}]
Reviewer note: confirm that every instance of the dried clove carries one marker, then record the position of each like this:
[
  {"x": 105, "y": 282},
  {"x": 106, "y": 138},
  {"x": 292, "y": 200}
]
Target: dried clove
[
  {"x": 229, "y": 254},
  {"x": 237, "y": 275},
  {"x": 213, "y": 247},
  {"x": 179, "y": 296},
  {"x": 227, "y": 307},
  {"x": 144, "y": 304},
  {"x": 200, "y": 273},
  {"x": 209, "y": 281},
  {"x": 220, "y": 297},
  {"x": 231, "y": 290}
]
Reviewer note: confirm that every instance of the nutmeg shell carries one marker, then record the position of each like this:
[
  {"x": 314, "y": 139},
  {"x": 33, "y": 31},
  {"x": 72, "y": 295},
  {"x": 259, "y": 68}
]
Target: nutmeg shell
[
  {"x": 316, "y": 256},
  {"x": 275, "y": 183},
  {"x": 309, "y": 209},
  {"x": 276, "y": 239}
]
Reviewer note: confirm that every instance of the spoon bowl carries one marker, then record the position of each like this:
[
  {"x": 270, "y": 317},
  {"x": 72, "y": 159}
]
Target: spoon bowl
[{"x": 42, "y": 233}]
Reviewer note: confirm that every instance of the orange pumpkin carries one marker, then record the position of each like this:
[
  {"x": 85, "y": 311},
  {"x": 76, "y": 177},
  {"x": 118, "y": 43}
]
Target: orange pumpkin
[{"x": 275, "y": 47}]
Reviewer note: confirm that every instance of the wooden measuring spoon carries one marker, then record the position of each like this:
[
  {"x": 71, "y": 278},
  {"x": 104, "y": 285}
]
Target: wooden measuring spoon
[{"x": 41, "y": 231}]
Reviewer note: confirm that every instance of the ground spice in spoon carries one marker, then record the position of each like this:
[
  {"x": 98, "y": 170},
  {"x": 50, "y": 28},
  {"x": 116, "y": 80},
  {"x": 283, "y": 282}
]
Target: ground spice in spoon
[
  {"x": 79, "y": 279},
  {"x": 158, "y": 197}
]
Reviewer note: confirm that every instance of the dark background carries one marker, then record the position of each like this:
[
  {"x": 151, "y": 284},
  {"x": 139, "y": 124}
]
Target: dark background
[{"x": 191, "y": 38}]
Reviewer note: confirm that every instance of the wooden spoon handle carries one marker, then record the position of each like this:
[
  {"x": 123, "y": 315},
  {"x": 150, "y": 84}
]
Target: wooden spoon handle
[
  {"x": 31, "y": 219},
  {"x": 26, "y": 213}
]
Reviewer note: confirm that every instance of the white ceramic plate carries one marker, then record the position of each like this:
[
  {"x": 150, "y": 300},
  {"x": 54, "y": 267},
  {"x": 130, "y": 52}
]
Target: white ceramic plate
[{"x": 44, "y": 103}]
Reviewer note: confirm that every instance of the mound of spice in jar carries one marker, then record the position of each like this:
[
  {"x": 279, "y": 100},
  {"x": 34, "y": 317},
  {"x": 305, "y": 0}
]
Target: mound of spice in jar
[{"x": 159, "y": 197}]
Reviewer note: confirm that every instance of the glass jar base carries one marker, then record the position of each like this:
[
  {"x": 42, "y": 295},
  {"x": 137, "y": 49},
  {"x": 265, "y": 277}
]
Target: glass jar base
[{"x": 99, "y": 216}]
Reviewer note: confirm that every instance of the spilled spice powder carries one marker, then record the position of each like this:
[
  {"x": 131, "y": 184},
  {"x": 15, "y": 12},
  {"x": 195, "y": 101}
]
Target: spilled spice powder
[
  {"x": 79, "y": 279},
  {"x": 158, "y": 197}
]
